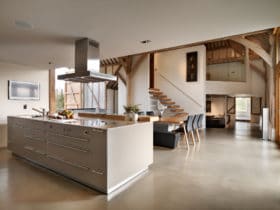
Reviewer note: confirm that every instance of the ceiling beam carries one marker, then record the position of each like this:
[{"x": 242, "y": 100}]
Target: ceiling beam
[
  {"x": 122, "y": 78},
  {"x": 258, "y": 70},
  {"x": 254, "y": 47},
  {"x": 118, "y": 69}
]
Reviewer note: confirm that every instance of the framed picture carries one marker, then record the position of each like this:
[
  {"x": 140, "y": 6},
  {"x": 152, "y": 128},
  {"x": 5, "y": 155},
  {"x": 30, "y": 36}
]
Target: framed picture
[
  {"x": 256, "y": 105},
  {"x": 191, "y": 67},
  {"x": 18, "y": 90}
]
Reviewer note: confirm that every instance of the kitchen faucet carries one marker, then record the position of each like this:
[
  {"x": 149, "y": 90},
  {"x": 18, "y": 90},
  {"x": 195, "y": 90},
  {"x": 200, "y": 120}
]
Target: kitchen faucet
[{"x": 42, "y": 111}]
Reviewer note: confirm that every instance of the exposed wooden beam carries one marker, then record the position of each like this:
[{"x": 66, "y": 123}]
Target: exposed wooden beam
[
  {"x": 275, "y": 30},
  {"x": 277, "y": 103},
  {"x": 254, "y": 47},
  {"x": 52, "y": 107},
  {"x": 122, "y": 78},
  {"x": 258, "y": 70},
  {"x": 123, "y": 63},
  {"x": 118, "y": 69}
]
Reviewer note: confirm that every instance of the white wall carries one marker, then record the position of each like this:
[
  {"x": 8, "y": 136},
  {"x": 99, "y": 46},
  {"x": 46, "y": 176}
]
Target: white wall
[
  {"x": 140, "y": 84},
  {"x": 122, "y": 94},
  {"x": 217, "y": 105},
  {"x": 253, "y": 86},
  {"x": 234, "y": 71},
  {"x": 22, "y": 73},
  {"x": 171, "y": 78}
]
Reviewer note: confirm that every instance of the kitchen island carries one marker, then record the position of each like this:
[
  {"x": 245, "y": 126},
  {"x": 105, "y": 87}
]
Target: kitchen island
[{"x": 100, "y": 153}]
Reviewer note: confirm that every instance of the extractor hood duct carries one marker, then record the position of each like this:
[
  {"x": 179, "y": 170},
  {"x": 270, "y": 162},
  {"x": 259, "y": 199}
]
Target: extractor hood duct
[{"x": 87, "y": 64}]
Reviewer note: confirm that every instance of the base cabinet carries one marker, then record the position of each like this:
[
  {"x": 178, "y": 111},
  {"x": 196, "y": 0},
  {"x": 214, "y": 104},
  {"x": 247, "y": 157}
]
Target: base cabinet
[
  {"x": 103, "y": 159},
  {"x": 73, "y": 151}
]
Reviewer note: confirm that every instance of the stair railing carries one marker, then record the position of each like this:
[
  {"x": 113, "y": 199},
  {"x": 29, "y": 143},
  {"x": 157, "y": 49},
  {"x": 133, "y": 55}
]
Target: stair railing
[{"x": 181, "y": 91}]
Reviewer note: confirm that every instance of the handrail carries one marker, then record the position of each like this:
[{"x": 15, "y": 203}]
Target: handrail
[{"x": 185, "y": 94}]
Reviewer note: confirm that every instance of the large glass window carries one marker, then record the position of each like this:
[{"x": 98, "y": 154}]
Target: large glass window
[{"x": 243, "y": 108}]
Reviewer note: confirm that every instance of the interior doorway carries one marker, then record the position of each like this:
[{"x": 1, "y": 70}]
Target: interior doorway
[{"x": 243, "y": 108}]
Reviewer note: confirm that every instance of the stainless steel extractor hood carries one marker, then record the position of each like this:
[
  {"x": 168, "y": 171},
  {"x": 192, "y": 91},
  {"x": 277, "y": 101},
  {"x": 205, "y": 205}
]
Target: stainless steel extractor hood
[{"x": 87, "y": 64}]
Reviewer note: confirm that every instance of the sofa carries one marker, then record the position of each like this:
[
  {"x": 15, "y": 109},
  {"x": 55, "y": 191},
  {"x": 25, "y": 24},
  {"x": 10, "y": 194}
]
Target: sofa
[
  {"x": 165, "y": 137},
  {"x": 217, "y": 121}
]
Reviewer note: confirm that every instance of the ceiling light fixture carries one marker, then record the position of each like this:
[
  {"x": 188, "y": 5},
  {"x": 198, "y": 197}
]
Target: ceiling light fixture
[
  {"x": 23, "y": 24},
  {"x": 146, "y": 41}
]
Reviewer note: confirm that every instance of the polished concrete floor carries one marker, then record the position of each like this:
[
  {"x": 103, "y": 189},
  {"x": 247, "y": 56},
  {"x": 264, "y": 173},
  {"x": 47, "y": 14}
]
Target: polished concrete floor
[{"x": 229, "y": 169}]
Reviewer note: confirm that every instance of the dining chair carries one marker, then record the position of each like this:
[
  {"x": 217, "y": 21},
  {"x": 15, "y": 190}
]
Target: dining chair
[
  {"x": 189, "y": 127},
  {"x": 199, "y": 125},
  {"x": 195, "y": 125}
]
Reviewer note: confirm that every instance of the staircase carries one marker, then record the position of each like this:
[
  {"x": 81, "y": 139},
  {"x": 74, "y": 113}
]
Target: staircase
[{"x": 173, "y": 110}]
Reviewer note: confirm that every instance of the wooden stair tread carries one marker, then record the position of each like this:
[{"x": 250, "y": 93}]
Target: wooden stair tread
[
  {"x": 154, "y": 89},
  {"x": 168, "y": 102},
  {"x": 181, "y": 115},
  {"x": 177, "y": 110},
  {"x": 157, "y": 93},
  {"x": 173, "y": 106},
  {"x": 162, "y": 96},
  {"x": 165, "y": 100}
]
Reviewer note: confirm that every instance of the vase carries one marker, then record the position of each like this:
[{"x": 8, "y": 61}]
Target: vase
[
  {"x": 131, "y": 116},
  {"x": 135, "y": 117},
  {"x": 127, "y": 116}
]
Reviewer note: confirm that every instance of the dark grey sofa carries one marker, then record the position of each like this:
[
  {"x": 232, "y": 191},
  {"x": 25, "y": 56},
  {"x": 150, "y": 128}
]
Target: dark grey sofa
[{"x": 163, "y": 137}]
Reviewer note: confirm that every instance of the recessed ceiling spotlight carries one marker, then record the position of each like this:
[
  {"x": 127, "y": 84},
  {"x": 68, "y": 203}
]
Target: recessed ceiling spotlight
[
  {"x": 23, "y": 24},
  {"x": 146, "y": 41}
]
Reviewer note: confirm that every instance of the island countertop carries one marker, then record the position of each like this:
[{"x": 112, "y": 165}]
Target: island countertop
[{"x": 94, "y": 122}]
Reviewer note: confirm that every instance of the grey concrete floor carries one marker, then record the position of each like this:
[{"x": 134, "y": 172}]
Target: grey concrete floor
[{"x": 229, "y": 169}]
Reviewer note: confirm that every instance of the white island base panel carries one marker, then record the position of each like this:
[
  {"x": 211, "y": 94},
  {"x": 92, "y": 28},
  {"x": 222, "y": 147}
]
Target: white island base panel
[
  {"x": 101, "y": 158},
  {"x": 129, "y": 153},
  {"x": 117, "y": 186}
]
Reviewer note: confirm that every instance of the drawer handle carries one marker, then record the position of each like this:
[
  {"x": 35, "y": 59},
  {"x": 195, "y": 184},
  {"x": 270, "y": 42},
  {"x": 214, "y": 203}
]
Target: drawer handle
[
  {"x": 69, "y": 147},
  {"x": 97, "y": 172},
  {"x": 40, "y": 152},
  {"x": 34, "y": 139},
  {"x": 29, "y": 148},
  {"x": 68, "y": 162},
  {"x": 98, "y": 130},
  {"x": 85, "y": 132},
  {"x": 77, "y": 139}
]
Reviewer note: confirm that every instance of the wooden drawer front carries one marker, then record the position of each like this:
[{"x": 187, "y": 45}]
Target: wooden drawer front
[
  {"x": 82, "y": 174},
  {"x": 78, "y": 132},
  {"x": 98, "y": 147},
  {"x": 16, "y": 148},
  {"x": 55, "y": 128},
  {"x": 39, "y": 146},
  {"x": 68, "y": 141},
  {"x": 17, "y": 122},
  {"x": 35, "y": 134},
  {"x": 79, "y": 157},
  {"x": 35, "y": 124},
  {"x": 15, "y": 133},
  {"x": 34, "y": 154}
]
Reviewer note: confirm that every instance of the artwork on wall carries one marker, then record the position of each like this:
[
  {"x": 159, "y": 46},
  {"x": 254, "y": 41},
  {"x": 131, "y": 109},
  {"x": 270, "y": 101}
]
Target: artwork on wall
[
  {"x": 191, "y": 67},
  {"x": 18, "y": 90},
  {"x": 256, "y": 104}
]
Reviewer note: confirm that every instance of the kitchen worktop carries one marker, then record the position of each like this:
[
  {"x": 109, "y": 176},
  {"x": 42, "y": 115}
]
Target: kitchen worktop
[
  {"x": 99, "y": 123},
  {"x": 101, "y": 153}
]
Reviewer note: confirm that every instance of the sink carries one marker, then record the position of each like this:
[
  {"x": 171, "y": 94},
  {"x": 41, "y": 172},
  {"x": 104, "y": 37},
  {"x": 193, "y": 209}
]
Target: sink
[
  {"x": 35, "y": 116},
  {"x": 64, "y": 120},
  {"x": 31, "y": 116}
]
